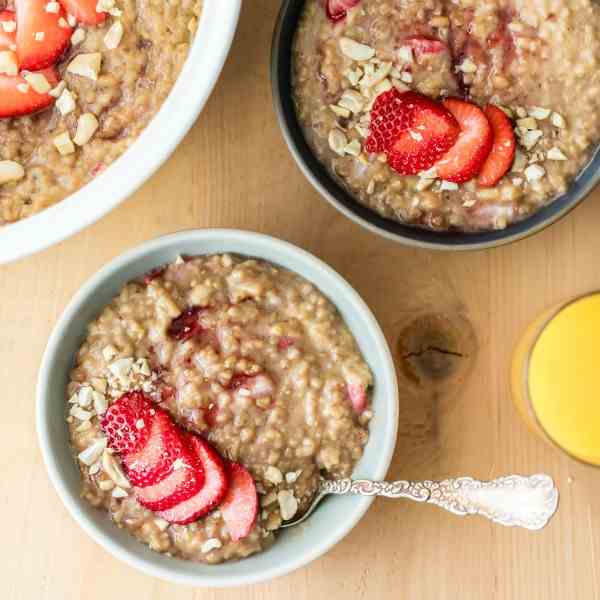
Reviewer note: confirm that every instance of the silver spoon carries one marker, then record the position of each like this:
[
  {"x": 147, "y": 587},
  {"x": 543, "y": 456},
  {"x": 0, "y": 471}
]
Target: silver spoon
[{"x": 514, "y": 501}]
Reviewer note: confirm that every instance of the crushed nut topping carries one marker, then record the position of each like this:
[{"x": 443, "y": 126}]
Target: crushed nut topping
[
  {"x": 86, "y": 65},
  {"x": 87, "y": 125},
  {"x": 355, "y": 50},
  {"x": 10, "y": 171},
  {"x": 63, "y": 144}
]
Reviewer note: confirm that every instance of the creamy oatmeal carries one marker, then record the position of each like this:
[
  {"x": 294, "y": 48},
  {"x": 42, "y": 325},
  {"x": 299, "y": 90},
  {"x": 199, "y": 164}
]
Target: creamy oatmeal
[
  {"x": 107, "y": 84},
  {"x": 249, "y": 356},
  {"x": 537, "y": 60}
]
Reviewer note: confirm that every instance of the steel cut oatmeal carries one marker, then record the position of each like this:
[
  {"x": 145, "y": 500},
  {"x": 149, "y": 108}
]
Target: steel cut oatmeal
[
  {"x": 450, "y": 114},
  {"x": 208, "y": 398},
  {"x": 79, "y": 81}
]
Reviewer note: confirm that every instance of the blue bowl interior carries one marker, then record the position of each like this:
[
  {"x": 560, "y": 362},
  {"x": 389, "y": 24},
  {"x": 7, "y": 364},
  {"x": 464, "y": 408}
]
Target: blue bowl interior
[
  {"x": 293, "y": 548},
  {"x": 281, "y": 78}
]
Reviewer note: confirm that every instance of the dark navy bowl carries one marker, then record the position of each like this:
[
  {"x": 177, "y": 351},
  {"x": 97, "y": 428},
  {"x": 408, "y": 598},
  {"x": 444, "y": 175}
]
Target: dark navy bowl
[{"x": 335, "y": 194}]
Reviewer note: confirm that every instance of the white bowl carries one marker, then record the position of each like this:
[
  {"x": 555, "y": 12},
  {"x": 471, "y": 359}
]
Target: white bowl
[
  {"x": 157, "y": 142},
  {"x": 293, "y": 548}
]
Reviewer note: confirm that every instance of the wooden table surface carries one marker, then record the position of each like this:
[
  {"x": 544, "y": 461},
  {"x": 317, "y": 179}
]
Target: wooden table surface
[{"x": 233, "y": 170}]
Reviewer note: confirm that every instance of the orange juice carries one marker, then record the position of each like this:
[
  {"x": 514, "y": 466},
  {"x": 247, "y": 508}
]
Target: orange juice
[{"x": 556, "y": 375}]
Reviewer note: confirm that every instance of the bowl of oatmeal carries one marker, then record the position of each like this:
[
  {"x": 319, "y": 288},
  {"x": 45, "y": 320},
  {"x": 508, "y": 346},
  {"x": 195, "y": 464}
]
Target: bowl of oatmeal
[
  {"x": 89, "y": 89},
  {"x": 193, "y": 392},
  {"x": 443, "y": 125}
]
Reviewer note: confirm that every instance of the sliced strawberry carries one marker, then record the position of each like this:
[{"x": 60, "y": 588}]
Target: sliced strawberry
[
  {"x": 414, "y": 130},
  {"x": 127, "y": 422},
  {"x": 466, "y": 158},
  {"x": 184, "y": 481},
  {"x": 338, "y": 9},
  {"x": 431, "y": 133},
  {"x": 358, "y": 396},
  {"x": 388, "y": 119},
  {"x": 258, "y": 386},
  {"x": 422, "y": 45},
  {"x": 154, "y": 461},
  {"x": 84, "y": 11},
  {"x": 33, "y": 21},
  {"x": 240, "y": 506},
  {"x": 209, "y": 496},
  {"x": 503, "y": 151},
  {"x": 186, "y": 325},
  {"x": 8, "y": 39},
  {"x": 15, "y": 103}
]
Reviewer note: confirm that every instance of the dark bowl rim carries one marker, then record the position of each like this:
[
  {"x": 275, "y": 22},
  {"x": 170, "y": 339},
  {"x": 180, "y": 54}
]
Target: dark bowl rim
[{"x": 343, "y": 201}]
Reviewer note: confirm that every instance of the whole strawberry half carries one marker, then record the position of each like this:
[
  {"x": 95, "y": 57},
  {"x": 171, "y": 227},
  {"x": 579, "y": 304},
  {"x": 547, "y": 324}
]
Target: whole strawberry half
[
  {"x": 155, "y": 460},
  {"x": 42, "y": 37},
  {"x": 338, "y": 9},
  {"x": 412, "y": 129},
  {"x": 503, "y": 151},
  {"x": 466, "y": 158},
  {"x": 210, "y": 494},
  {"x": 127, "y": 422},
  {"x": 240, "y": 506},
  {"x": 16, "y": 103}
]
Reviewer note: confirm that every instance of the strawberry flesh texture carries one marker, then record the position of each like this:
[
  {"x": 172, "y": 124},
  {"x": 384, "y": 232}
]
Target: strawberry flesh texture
[
  {"x": 84, "y": 11},
  {"x": 185, "y": 479},
  {"x": 256, "y": 386},
  {"x": 466, "y": 158},
  {"x": 503, "y": 151},
  {"x": 388, "y": 119},
  {"x": 186, "y": 325},
  {"x": 7, "y": 39},
  {"x": 212, "y": 492},
  {"x": 357, "y": 394},
  {"x": 154, "y": 461},
  {"x": 120, "y": 422},
  {"x": 422, "y": 45},
  {"x": 285, "y": 342},
  {"x": 14, "y": 103},
  {"x": 412, "y": 129},
  {"x": 240, "y": 506},
  {"x": 337, "y": 10},
  {"x": 432, "y": 132},
  {"x": 31, "y": 19}
]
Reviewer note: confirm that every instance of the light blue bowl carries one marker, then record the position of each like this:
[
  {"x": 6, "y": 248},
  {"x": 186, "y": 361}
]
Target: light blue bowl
[{"x": 293, "y": 548}]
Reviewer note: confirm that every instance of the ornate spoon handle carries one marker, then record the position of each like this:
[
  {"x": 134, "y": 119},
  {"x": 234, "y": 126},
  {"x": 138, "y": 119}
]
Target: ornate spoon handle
[{"x": 513, "y": 501}]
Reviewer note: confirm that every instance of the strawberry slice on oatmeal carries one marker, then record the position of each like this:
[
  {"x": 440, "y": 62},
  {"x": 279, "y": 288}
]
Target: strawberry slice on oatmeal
[
  {"x": 85, "y": 11},
  {"x": 18, "y": 97},
  {"x": 42, "y": 36}
]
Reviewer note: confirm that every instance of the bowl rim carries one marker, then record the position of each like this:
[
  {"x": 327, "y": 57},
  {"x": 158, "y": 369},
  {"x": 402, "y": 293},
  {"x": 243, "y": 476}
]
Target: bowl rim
[
  {"x": 190, "y": 92},
  {"x": 282, "y": 41},
  {"x": 74, "y": 504}
]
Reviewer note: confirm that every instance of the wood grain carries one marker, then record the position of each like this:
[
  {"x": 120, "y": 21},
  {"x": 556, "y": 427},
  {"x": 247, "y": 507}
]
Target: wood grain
[{"x": 233, "y": 170}]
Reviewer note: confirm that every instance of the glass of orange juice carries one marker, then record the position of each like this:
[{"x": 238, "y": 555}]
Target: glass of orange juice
[{"x": 555, "y": 375}]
